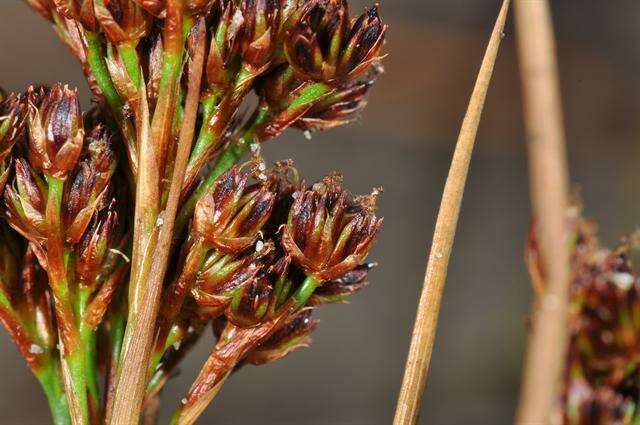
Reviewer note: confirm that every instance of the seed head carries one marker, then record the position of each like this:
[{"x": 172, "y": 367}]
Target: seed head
[
  {"x": 339, "y": 108},
  {"x": 25, "y": 201},
  {"x": 293, "y": 335},
  {"x": 328, "y": 235},
  {"x": 230, "y": 215},
  {"x": 94, "y": 245},
  {"x": 56, "y": 132},
  {"x": 323, "y": 45},
  {"x": 121, "y": 20},
  {"x": 78, "y": 10}
]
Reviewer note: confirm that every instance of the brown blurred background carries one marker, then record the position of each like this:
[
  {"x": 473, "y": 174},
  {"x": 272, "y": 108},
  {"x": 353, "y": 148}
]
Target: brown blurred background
[{"x": 403, "y": 142}]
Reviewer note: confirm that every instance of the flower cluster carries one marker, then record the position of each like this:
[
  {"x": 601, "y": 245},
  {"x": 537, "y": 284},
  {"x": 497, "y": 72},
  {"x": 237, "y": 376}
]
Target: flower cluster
[
  {"x": 602, "y": 378},
  {"x": 59, "y": 197},
  {"x": 259, "y": 259},
  {"x": 146, "y": 189}
]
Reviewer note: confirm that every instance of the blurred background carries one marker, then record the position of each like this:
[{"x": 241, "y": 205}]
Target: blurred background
[{"x": 404, "y": 140}]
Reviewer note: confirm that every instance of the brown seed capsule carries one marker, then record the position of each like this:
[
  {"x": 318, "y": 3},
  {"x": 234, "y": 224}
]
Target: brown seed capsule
[
  {"x": 293, "y": 335},
  {"x": 341, "y": 288},
  {"x": 362, "y": 48},
  {"x": 337, "y": 109},
  {"x": 259, "y": 299},
  {"x": 230, "y": 215},
  {"x": 323, "y": 45},
  {"x": 328, "y": 235},
  {"x": 88, "y": 184},
  {"x": 94, "y": 245},
  {"x": 78, "y": 10},
  {"x": 25, "y": 201},
  {"x": 121, "y": 20},
  {"x": 56, "y": 132},
  {"x": 259, "y": 32},
  {"x": 222, "y": 275}
]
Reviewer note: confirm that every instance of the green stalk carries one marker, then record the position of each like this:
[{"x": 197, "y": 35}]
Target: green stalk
[
  {"x": 305, "y": 291},
  {"x": 129, "y": 57},
  {"x": 50, "y": 379},
  {"x": 88, "y": 340},
  {"x": 95, "y": 58},
  {"x": 205, "y": 137},
  {"x": 229, "y": 157},
  {"x": 74, "y": 360}
]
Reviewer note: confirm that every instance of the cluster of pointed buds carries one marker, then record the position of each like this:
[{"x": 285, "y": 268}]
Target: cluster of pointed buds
[
  {"x": 310, "y": 251},
  {"x": 260, "y": 250},
  {"x": 231, "y": 214},
  {"x": 328, "y": 235},
  {"x": 602, "y": 375},
  {"x": 12, "y": 124},
  {"x": 325, "y": 45}
]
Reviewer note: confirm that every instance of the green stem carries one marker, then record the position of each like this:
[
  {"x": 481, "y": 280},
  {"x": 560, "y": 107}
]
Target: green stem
[
  {"x": 50, "y": 379},
  {"x": 131, "y": 62},
  {"x": 229, "y": 157},
  {"x": 205, "y": 137},
  {"x": 305, "y": 291},
  {"x": 59, "y": 260},
  {"x": 95, "y": 58},
  {"x": 88, "y": 340}
]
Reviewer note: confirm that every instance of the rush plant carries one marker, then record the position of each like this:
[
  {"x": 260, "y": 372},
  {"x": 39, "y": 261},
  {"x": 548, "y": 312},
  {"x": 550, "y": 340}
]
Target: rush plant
[{"x": 166, "y": 171}]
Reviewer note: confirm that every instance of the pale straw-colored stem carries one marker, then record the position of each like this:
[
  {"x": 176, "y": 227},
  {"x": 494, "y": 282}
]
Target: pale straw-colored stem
[
  {"x": 547, "y": 345},
  {"x": 132, "y": 382},
  {"x": 424, "y": 330}
]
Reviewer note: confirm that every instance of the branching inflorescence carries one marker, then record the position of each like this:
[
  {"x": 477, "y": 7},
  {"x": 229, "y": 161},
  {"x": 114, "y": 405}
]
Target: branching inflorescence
[{"x": 150, "y": 178}]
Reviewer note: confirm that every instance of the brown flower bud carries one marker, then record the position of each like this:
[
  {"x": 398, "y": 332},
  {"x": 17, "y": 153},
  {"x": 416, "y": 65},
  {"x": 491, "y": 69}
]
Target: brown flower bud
[
  {"x": 328, "y": 235},
  {"x": 12, "y": 122},
  {"x": 94, "y": 245},
  {"x": 261, "y": 22},
  {"x": 223, "y": 275},
  {"x": 88, "y": 185},
  {"x": 78, "y": 10},
  {"x": 225, "y": 43},
  {"x": 337, "y": 109},
  {"x": 293, "y": 335},
  {"x": 259, "y": 299},
  {"x": 323, "y": 46},
  {"x": 363, "y": 46},
  {"x": 25, "y": 200},
  {"x": 56, "y": 132},
  {"x": 121, "y": 20},
  {"x": 230, "y": 215},
  {"x": 341, "y": 288},
  {"x": 44, "y": 8}
]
